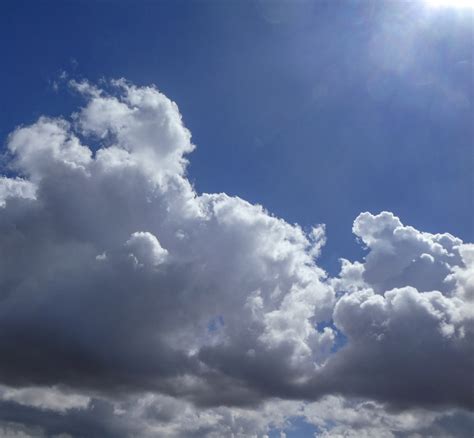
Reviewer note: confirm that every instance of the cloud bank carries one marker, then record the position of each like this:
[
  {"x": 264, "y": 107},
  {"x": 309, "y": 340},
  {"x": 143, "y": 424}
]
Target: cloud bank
[{"x": 133, "y": 306}]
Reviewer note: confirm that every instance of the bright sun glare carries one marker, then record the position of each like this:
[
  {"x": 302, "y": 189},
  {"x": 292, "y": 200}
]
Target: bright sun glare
[{"x": 452, "y": 3}]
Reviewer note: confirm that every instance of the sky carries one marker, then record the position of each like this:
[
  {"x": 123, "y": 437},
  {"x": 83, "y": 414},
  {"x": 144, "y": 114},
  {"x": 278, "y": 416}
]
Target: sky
[{"x": 237, "y": 218}]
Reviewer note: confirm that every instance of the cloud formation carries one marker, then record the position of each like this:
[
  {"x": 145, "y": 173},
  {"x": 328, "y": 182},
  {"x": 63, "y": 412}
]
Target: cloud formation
[
  {"x": 407, "y": 306},
  {"x": 144, "y": 301}
]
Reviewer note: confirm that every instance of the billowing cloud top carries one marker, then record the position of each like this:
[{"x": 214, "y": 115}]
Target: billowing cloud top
[{"x": 126, "y": 295}]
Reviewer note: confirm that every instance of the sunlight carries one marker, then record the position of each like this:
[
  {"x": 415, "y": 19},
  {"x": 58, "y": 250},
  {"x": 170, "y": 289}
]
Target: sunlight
[{"x": 451, "y": 3}]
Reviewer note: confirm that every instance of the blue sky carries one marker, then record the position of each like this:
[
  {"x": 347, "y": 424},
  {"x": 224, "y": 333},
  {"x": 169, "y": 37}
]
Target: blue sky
[
  {"x": 301, "y": 108},
  {"x": 151, "y": 309}
]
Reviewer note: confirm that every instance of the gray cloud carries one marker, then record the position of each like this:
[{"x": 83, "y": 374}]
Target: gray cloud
[
  {"x": 118, "y": 280},
  {"x": 156, "y": 415},
  {"x": 407, "y": 313}
]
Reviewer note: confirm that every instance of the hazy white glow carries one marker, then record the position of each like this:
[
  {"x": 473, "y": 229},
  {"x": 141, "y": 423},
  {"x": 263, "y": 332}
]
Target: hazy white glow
[{"x": 451, "y": 3}]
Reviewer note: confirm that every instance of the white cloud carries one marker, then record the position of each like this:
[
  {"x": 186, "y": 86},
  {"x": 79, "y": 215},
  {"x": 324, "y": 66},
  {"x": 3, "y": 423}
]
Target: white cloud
[
  {"x": 404, "y": 307},
  {"x": 15, "y": 188},
  {"x": 401, "y": 255},
  {"x": 463, "y": 276},
  {"x": 175, "y": 312},
  {"x": 98, "y": 216},
  {"x": 44, "y": 398},
  {"x": 146, "y": 249}
]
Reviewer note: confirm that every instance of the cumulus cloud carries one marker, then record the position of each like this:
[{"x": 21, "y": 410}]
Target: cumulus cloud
[
  {"x": 116, "y": 266},
  {"x": 15, "y": 188},
  {"x": 124, "y": 286},
  {"x": 407, "y": 318},
  {"x": 401, "y": 255}
]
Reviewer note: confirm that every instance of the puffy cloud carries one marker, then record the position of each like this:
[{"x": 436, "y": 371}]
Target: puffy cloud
[
  {"x": 407, "y": 317},
  {"x": 15, "y": 188},
  {"x": 401, "y": 255},
  {"x": 392, "y": 336},
  {"x": 116, "y": 266},
  {"x": 463, "y": 276},
  {"x": 145, "y": 249},
  {"x": 175, "y": 313},
  {"x": 45, "y": 146}
]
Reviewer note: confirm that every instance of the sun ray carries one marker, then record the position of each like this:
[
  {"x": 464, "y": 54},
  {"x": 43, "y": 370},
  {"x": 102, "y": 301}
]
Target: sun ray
[{"x": 451, "y": 3}]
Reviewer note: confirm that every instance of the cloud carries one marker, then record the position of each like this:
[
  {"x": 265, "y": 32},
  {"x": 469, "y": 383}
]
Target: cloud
[
  {"x": 405, "y": 307},
  {"x": 123, "y": 285},
  {"x": 157, "y": 415},
  {"x": 145, "y": 249},
  {"x": 15, "y": 188},
  {"x": 401, "y": 255},
  {"x": 50, "y": 398},
  {"x": 116, "y": 266}
]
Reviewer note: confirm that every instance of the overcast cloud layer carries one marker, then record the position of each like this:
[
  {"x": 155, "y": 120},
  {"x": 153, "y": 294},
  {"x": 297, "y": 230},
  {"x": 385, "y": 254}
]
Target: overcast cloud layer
[{"x": 133, "y": 306}]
